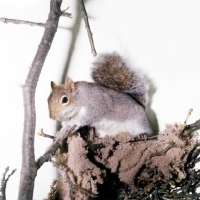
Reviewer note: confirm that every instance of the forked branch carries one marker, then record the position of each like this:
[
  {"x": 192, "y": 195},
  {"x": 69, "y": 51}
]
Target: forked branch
[{"x": 4, "y": 181}]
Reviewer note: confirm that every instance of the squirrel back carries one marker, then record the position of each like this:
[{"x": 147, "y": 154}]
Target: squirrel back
[{"x": 111, "y": 70}]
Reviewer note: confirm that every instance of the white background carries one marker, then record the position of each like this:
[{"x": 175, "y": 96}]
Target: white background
[{"x": 160, "y": 38}]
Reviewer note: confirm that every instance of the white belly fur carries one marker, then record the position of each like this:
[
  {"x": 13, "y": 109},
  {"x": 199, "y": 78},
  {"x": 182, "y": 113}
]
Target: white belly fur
[
  {"x": 112, "y": 128},
  {"x": 105, "y": 126}
]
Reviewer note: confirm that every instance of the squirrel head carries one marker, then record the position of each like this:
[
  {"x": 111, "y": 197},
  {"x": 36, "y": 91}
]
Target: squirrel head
[{"x": 62, "y": 100}]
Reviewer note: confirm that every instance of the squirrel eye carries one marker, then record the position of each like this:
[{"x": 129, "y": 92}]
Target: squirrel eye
[{"x": 64, "y": 100}]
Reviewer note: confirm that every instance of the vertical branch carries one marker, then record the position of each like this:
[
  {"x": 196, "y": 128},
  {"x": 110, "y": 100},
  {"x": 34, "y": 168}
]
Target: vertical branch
[
  {"x": 29, "y": 168},
  {"x": 87, "y": 26}
]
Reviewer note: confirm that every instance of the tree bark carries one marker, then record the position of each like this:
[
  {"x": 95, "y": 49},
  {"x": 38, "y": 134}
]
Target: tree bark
[{"x": 29, "y": 168}]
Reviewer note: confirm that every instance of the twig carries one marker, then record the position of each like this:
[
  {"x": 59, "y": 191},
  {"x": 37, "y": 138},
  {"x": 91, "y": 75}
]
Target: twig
[
  {"x": 64, "y": 169},
  {"x": 164, "y": 151},
  {"x": 53, "y": 147},
  {"x": 144, "y": 138},
  {"x": 3, "y": 185},
  {"x": 66, "y": 14},
  {"x": 87, "y": 26},
  {"x": 29, "y": 167},
  {"x": 16, "y": 21},
  {"x": 41, "y": 133},
  {"x": 189, "y": 113},
  {"x": 4, "y": 182}
]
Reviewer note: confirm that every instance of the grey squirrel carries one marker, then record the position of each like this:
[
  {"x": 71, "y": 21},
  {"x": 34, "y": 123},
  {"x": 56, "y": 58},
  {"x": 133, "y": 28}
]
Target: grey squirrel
[{"x": 115, "y": 103}]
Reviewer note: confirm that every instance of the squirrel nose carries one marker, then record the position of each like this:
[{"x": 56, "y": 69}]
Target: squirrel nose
[{"x": 52, "y": 116}]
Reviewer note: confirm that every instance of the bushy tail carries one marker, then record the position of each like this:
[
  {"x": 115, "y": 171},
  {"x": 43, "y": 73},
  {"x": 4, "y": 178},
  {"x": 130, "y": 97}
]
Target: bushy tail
[{"x": 110, "y": 70}]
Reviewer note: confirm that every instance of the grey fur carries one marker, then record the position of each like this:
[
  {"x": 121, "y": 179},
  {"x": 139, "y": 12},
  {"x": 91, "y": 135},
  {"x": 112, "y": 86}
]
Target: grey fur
[
  {"x": 110, "y": 105},
  {"x": 111, "y": 70}
]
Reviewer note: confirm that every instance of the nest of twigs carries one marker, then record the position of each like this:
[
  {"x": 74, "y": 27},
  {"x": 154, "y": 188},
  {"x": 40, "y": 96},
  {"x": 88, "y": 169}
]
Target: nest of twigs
[{"x": 125, "y": 167}]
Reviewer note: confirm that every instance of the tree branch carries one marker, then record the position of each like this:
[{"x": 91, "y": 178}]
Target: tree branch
[
  {"x": 144, "y": 138},
  {"x": 41, "y": 133},
  {"x": 17, "y": 21},
  {"x": 87, "y": 26},
  {"x": 29, "y": 167},
  {"x": 54, "y": 146}
]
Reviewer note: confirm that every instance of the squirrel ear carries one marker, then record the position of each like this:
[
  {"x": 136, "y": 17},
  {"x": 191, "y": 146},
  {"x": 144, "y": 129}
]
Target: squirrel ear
[
  {"x": 70, "y": 85},
  {"x": 53, "y": 85}
]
